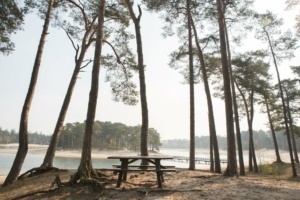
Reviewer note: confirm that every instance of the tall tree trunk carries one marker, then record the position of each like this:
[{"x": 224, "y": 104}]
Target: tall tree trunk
[
  {"x": 211, "y": 153},
  {"x": 143, "y": 94},
  {"x": 291, "y": 128},
  {"x": 249, "y": 114},
  {"x": 49, "y": 157},
  {"x": 251, "y": 131},
  {"x": 284, "y": 107},
  {"x": 23, "y": 130},
  {"x": 231, "y": 150},
  {"x": 211, "y": 118},
  {"x": 85, "y": 169},
  {"x": 192, "y": 93},
  {"x": 235, "y": 108},
  {"x": 278, "y": 159}
]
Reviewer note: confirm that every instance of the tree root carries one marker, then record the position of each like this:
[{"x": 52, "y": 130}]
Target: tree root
[
  {"x": 37, "y": 171},
  {"x": 56, "y": 181},
  {"x": 33, "y": 193},
  {"x": 90, "y": 178},
  {"x": 93, "y": 183}
]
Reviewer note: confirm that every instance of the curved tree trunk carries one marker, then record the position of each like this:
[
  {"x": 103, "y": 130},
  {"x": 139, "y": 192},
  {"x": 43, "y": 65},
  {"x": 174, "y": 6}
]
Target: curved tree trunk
[
  {"x": 23, "y": 130},
  {"x": 143, "y": 94},
  {"x": 284, "y": 107},
  {"x": 231, "y": 150},
  {"x": 85, "y": 169},
  {"x": 49, "y": 157},
  {"x": 278, "y": 159},
  {"x": 211, "y": 118}
]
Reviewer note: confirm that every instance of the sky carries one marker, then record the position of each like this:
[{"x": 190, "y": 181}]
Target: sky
[{"x": 168, "y": 98}]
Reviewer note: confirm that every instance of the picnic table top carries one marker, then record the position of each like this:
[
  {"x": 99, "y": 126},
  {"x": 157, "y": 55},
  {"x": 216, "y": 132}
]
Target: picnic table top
[{"x": 140, "y": 157}]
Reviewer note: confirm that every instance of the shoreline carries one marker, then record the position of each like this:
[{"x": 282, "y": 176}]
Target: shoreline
[{"x": 263, "y": 156}]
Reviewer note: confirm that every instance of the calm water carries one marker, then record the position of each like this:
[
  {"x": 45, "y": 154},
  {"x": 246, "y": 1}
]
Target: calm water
[{"x": 35, "y": 160}]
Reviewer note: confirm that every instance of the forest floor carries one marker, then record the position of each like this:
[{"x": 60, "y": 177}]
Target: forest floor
[{"x": 274, "y": 182}]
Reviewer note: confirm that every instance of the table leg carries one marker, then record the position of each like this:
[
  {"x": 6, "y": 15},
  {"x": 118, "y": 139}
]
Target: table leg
[
  {"x": 120, "y": 177},
  {"x": 122, "y": 172},
  {"x": 125, "y": 166},
  {"x": 158, "y": 173}
]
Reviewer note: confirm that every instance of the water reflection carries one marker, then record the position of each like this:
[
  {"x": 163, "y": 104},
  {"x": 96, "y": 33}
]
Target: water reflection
[{"x": 35, "y": 160}]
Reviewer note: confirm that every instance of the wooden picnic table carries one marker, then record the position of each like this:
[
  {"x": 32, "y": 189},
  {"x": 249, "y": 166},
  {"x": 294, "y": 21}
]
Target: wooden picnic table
[{"x": 155, "y": 160}]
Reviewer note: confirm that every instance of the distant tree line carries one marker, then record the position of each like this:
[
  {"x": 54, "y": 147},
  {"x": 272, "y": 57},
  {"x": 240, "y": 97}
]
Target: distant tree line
[
  {"x": 107, "y": 135},
  {"x": 7, "y": 137},
  {"x": 261, "y": 138}
]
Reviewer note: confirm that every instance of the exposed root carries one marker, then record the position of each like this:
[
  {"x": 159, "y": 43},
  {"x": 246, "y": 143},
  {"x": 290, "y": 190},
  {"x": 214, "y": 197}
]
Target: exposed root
[
  {"x": 36, "y": 171},
  {"x": 30, "y": 194},
  {"x": 93, "y": 183},
  {"x": 90, "y": 177}
]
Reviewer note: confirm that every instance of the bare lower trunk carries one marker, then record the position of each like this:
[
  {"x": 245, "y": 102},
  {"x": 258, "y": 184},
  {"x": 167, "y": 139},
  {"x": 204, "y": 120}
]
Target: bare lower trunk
[
  {"x": 278, "y": 159},
  {"x": 250, "y": 155},
  {"x": 231, "y": 150},
  {"x": 23, "y": 130},
  {"x": 211, "y": 118},
  {"x": 143, "y": 94},
  {"x": 49, "y": 157},
  {"x": 235, "y": 107},
  {"x": 292, "y": 132},
  {"x": 284, "y": 108},
  {"x": 192, "y": 98},
  {"x": 251, "y": 132},
  {"x": 85, "y": 169}
]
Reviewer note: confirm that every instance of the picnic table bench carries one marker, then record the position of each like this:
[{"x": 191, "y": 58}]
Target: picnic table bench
[{"x": 156, "y": 166}]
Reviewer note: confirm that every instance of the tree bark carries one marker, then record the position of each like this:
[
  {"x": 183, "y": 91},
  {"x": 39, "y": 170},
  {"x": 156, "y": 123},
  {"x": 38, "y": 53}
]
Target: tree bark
[
  {"x": 143, "y": 94},
  {"x": 211, "y": 118},
  {"x": 249, "y": 115},
  {"x": 235, "y": 108},
  {"x": 192, "y": 98},
  {"x": 284, "y": 107},
  {"x": 291, "y": 127},
  {"x": 85, "y": 169},
  {"x": 23, "y": 130},
  {"x": 250, "y": 122},
  {"x": 231, "y": 150},
  {"x": 278, "y": 159},
  {"x": 49, "y": 157}
]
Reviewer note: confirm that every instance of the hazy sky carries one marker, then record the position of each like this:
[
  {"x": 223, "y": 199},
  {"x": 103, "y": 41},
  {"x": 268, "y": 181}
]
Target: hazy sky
[{"x": 168, "y": 98}]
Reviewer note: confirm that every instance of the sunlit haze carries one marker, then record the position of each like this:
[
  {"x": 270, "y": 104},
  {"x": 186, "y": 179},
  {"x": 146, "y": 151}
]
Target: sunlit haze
[{"x": 168, "y": 98}]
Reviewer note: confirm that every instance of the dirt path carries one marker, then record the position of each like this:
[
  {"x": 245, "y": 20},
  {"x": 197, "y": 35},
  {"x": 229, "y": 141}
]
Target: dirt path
[{"x": 182, "y": 184}]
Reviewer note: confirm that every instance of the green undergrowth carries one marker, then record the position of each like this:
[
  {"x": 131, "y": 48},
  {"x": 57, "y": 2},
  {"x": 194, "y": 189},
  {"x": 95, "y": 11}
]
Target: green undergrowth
[{"x": 280, "y": 170}]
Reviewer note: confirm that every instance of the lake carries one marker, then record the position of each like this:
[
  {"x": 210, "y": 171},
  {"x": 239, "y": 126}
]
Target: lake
[{"x": 35, "y": 160}]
